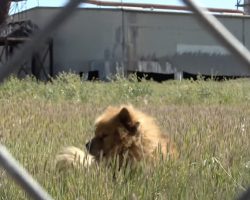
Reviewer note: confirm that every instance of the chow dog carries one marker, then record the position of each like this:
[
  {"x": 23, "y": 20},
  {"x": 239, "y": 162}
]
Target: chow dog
[{"x": 124, "y": 133}]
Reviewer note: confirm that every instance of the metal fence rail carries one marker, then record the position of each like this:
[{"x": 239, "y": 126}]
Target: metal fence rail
[
  {"x": 8, "y": 162},
  {"x": 220, "y": 32},
  {"x": 19, "y": 174}
]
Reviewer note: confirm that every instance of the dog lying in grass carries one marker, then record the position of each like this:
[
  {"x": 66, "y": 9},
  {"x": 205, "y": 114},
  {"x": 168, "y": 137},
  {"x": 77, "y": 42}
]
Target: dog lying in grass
[{"x": 124, "y": 133}]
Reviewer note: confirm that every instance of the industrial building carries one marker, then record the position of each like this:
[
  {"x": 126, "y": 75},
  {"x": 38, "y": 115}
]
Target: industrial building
[{"x": 164, "y": 42}]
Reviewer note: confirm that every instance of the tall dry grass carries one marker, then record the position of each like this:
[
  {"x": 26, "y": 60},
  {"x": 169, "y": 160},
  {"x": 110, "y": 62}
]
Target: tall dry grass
[{"x": 208, "y": 120}]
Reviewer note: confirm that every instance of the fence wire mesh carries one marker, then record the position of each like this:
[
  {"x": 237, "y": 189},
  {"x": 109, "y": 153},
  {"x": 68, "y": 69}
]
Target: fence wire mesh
[{"x": 8, "y": 162}]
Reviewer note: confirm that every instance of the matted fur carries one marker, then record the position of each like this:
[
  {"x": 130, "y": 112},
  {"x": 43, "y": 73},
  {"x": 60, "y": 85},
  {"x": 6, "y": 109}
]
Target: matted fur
[{"x": 126, "y": 133}]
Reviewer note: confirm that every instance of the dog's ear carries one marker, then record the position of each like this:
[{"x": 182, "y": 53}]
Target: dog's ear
[{"x": 127, "y": 121}]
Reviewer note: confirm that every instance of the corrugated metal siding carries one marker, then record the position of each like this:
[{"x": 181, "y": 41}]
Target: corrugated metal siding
[{"x": 109, "y": 40}]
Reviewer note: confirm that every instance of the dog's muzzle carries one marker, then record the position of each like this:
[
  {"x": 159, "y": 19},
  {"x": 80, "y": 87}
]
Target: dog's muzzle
[{"x": 88, "y": 146}]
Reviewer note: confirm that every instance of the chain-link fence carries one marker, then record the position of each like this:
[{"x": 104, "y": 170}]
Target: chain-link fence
[{"x": 7, "y": 161}]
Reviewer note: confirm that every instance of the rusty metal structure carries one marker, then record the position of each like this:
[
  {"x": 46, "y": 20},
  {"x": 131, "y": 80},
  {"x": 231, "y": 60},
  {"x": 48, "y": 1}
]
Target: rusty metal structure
[
  {"x": 16, "y": 31},
  {"x": 157, "y": 6},
  {"x": 4, "y": 9}
]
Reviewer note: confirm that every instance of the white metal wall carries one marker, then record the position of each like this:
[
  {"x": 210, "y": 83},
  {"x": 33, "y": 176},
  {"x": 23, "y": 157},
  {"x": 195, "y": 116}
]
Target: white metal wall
[{"x": 110, "y": 39}]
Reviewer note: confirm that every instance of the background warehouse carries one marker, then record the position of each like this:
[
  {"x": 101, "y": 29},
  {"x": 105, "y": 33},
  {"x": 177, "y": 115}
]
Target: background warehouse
[{"x": 162, "y": 41}]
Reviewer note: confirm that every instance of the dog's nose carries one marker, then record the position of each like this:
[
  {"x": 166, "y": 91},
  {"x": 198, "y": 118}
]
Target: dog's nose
[{"x": 88, "y": 146}]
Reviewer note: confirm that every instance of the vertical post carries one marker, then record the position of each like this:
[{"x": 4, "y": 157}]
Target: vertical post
[
  {"x": 51, "y": 58},
  {"x": 247, "y": 7},
  {"x": 35, "y": 66},
  {"x": 178, "y": 75},
  {"x": 124, "y": 58},
  {"x": 6, "y": 47}
]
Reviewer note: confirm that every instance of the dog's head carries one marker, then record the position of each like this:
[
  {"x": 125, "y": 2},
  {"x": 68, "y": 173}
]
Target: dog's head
[{"x": 116, "y": 130}]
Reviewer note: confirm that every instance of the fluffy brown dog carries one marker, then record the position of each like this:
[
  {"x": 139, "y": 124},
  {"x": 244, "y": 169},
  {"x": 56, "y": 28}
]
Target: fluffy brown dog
[{"x": 122, "y": 132}]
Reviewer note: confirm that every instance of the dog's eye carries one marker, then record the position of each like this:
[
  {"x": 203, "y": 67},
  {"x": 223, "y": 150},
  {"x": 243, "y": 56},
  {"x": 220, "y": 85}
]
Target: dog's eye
[{"x": 103, "y": 136}]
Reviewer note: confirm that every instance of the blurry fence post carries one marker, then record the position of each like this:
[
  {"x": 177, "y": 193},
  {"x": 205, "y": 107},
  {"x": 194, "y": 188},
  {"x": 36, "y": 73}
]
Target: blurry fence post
[
  {"x": 21, "y": 176},
  {"x": 220, "y": 32}
]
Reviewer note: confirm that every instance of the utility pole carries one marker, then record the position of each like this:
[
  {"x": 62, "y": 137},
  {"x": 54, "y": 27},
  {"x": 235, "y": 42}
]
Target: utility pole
[{"x": 245, "y": 5}]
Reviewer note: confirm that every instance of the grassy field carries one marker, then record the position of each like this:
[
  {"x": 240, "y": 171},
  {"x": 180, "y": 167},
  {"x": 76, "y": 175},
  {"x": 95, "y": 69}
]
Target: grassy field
[{"x": 208, "y": 120}]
